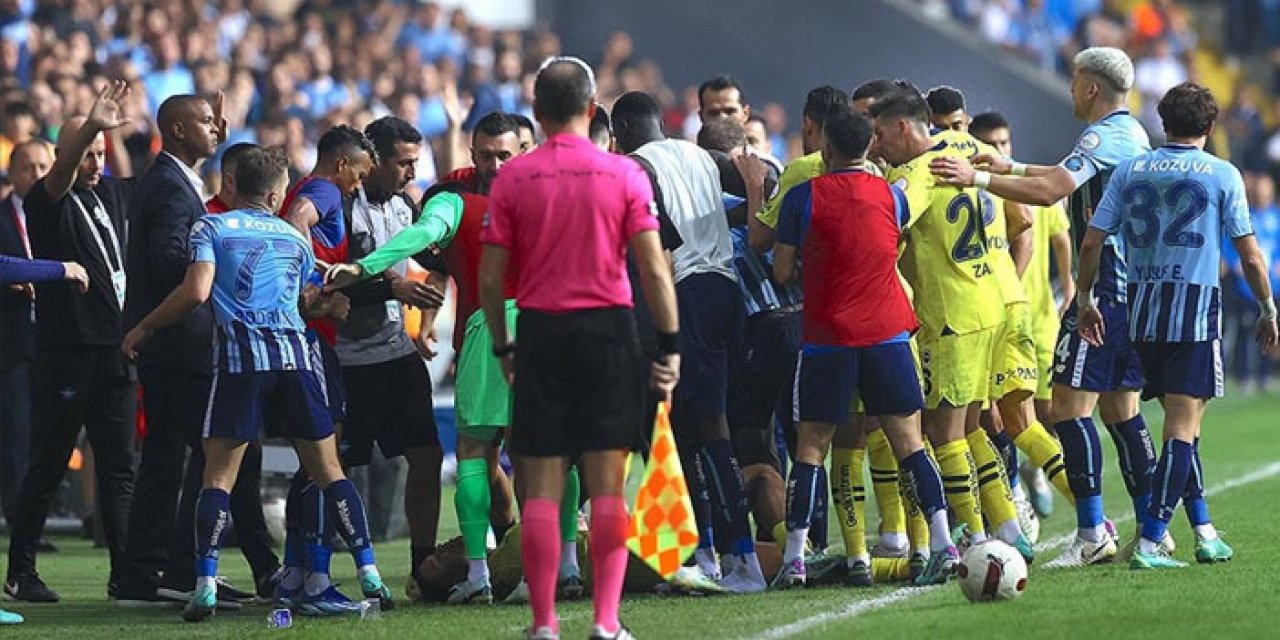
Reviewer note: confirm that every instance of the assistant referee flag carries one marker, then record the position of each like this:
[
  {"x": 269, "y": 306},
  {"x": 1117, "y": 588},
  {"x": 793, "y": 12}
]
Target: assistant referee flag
[{"x": 663, "y": 531}]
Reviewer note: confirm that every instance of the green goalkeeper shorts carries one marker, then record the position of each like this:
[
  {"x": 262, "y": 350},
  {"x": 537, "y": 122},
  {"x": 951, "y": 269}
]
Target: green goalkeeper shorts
[{"x": 483, "y": 397}]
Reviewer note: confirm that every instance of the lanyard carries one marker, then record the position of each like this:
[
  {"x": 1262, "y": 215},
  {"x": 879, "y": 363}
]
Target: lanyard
[{"x": 100, "y": 213}]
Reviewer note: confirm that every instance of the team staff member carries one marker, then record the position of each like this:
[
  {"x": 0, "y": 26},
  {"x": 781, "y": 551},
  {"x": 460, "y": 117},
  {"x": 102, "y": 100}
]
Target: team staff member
[
  {"x": 80, "y": 379},
  {"x": 562, "y": 217}
]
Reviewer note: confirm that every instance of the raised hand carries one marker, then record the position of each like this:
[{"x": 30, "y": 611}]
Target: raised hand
[
  {"x": 108, "y": 110},
  {"x": 752, "y": 169},
  {"x": 220, "y": 120}
]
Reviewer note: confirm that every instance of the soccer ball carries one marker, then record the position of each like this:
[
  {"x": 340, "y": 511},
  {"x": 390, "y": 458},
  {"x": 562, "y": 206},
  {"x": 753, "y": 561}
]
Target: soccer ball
[{"x": 992, "y": 570}]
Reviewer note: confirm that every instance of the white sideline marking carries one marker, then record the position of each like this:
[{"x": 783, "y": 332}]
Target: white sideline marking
[{"x": 862, "y": 606}]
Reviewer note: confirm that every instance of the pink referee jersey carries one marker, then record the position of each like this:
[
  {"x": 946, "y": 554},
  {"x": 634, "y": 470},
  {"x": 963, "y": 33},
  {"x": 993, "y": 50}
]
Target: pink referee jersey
[{"x": 565, "y": 212}]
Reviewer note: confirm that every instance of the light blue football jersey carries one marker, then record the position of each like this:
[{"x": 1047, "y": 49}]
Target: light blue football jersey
[
  {"x": 1171, "y": 206},
  {"x": 1100, "y": 148},
  {"x": 261, "y": 264}
]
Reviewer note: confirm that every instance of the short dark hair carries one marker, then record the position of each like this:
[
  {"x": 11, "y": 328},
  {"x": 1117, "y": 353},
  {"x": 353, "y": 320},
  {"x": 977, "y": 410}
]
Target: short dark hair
[
  {"x": 388, "y": 131},
  {"x": 636, "y": 106},
  {"x": 232, "y": 156},
  {"x": 496, "y": 123},
  {"x": 945, "y": 99},
  {"x": 848, "y": 132},
  {"x": 564, "y": 88},
  {"x": 1188, "y": 111},
  {"x": 18, "y": 108},
  {"x": 755, "y": 117},
  {"x": 600, "y": 125},
  {"x": 985, "y": 123},
  {"x": 259, "y": 169},
  {"x": 172, "y": 108},
  {"x": 523, "y": 122},
  {"x": 720, "y": 82},
  {"x": 872, "y": 89},
  {"x": 341, "y": 139},
  {"x": 902, "y": 102},
  {"x": 823, "y": 101},
  {"x": 721, "y": 135}
]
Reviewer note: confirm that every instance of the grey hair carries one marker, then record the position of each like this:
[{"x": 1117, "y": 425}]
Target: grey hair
[
  {"x": 1111, "y": 65},
  {"x": 591, "y": 75}
]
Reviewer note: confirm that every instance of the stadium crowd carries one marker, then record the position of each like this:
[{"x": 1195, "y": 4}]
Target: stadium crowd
[{"x": 403, "y": 131}]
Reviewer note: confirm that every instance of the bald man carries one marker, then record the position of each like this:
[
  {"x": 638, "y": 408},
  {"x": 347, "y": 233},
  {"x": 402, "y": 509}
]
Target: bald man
[
  {"x": 79, "y": 378},
  {"x": 29, "y": 162},
  {"x": 175, "y": 367}
]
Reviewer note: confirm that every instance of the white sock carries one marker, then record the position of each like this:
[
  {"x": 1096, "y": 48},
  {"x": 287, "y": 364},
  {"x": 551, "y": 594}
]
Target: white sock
[
  {"x": 939, "y": 531},
  {"x": 1009, "y": 531},
  {"x": 368, "y": 570},
  {"x": 316, "y": 583},
  {"x": 477, "y": 570},
  {"x": 752, "y": 562},
  {"x": 207, "y": 581},
  {"x": 291, "y": 578},
  {"x": 975, "y": 537},
  {"x": 1092, "y": 534},
  {"x": 706, "y": 559},
  {"x": 893, "y": 540},
  {"x": 569, "y": 560},
  {"x": 795, "y": 544},
  {"x": 1206, "y": 531},
  {"x": 1147, "y": 546},
  {"x": 1018, "y": 493}
]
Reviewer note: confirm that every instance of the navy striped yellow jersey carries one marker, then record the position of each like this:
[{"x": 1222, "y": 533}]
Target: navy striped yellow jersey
[
  {"x": 1100, "y": 148},
  {"x": 261, "y": 263},
  {"x": 1171, "y": 206}
]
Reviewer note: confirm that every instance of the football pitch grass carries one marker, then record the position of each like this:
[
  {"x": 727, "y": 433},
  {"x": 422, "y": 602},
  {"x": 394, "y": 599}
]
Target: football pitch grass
[{"x": 1238, "y": 599}]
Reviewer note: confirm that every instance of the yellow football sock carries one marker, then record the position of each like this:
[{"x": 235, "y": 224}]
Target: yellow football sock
[
  {"x": 780, "y": 534},
  {"x": 917, "y": 526},
  {"x": 993, "y": 483},
  {"x": 955, "y": 462},
  {"x": 1045, "y": 452},
  {"x": 884, "y": 482},
  {"x": 887, "y": 570},
  {"x": 850, "y": 495}
]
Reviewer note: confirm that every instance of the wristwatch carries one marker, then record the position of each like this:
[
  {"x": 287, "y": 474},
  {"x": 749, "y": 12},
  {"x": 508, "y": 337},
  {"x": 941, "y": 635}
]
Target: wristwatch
[{"x": 505, "y": 350}]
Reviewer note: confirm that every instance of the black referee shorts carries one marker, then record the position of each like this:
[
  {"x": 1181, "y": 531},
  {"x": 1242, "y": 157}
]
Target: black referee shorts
[
  {"x": 579, "y": 383},
  {"x": 388, "y": 403}
]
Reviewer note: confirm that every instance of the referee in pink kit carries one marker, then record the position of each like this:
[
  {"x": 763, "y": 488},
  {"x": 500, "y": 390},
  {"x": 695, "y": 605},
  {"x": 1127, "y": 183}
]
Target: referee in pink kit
[{"x": 563, "y": 217}]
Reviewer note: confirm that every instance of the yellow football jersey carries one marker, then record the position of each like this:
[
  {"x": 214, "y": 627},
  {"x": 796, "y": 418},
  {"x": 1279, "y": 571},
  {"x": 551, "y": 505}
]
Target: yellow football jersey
[
  {"x": 946, "y": 259},
  {"x": 1049, "y": 221},
  {"x": 992, "y": 216}
]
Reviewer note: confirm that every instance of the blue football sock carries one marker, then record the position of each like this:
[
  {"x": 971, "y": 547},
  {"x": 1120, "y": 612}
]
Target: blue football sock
[
  {"x": 213, "y": 519},
  {"x": 316, "y": 529},
  {"x": 1136, "y": 453},
  {"x": 295, "y": 544},
  {"x": 1169, "y": 481},
  {"x": 920, "y": 474},
  {"x": 1193, "y": 497},
  {"x": 818, "y": 533},
  {"x": 1082, "y": 457},
  {"x": 802, "y": 492},
  {"x": 1009, "y": 453},
  {"x": 700, "y": 496},
  {"x": 724, "y": 482},
  {"x": 347, "y": 511}
]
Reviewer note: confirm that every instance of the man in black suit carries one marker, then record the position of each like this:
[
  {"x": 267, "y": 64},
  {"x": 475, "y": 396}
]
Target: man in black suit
[
  {"x": 80, "y": 378},
  {"x": 28, "y": 162},
  {"x": 176, "y": 366}
]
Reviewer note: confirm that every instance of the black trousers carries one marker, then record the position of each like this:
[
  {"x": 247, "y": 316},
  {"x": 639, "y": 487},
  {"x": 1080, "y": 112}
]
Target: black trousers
[
  {"x": 87, "y": 387},
  {"x": 170, "y": 476},
  {"x": 15, "y": 432}
]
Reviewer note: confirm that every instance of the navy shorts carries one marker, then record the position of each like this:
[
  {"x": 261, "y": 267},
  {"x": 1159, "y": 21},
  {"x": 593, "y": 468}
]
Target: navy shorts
[
  {"x": 712, "y": 316},
  {"x": 1184, "y": 368},
  {"x": 324, "y": 360},
  {"x": 760, "y": 384},
  {"x": 291, "y": 403},
  {"x": 884, "y": 376},
  {"x": 1114, "y": 366}
]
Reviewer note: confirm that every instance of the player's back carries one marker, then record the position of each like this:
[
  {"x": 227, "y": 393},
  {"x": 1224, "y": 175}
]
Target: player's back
[
  {"x": 1175, "y": 204},
  {"x": 691, "y": 193},
  {"x": 261, "y": 264},
  {"x": 947, "y": 260}
]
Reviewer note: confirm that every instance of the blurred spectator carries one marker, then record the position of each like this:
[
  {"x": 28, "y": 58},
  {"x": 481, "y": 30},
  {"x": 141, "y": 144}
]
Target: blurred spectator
[
  {"x": 1154, "y": 75},
  {"x": 1251, "y": 366},
  {"x": 1243, "y": 125},
  {"x": 17, "y": 125},
  {"x": 1036, "y": 34}
]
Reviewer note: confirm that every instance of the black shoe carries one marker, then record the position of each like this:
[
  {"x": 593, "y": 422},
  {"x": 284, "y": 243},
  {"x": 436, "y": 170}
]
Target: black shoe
[
  {"x": 226, "y": 592},
  {"x": 29, "y": 587},
  {"x": 143, "y": 599},
  {"x": 44, "y": 546},
  {"x": 266, "y": 587}
]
